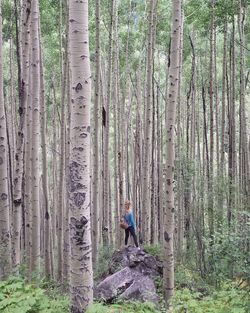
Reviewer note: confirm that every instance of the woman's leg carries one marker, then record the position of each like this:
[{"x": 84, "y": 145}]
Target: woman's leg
[
  {"x": 126, "y": 235},
  {"x": 132, "y": 231}
]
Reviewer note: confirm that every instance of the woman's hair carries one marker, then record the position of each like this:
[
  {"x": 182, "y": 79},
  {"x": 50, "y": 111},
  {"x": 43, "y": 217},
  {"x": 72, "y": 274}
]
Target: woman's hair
[{"x": 128, "y": 203}]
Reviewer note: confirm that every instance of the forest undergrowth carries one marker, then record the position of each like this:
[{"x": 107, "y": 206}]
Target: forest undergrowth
[{"x": 193, "y": 293}]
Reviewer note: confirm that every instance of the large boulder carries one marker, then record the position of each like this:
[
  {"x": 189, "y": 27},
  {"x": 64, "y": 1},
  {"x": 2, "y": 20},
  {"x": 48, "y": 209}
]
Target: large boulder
[
  {"x": 131, "y": 277},
  {"x": 127, "y": 284},
  {"x": 133, "y": 257}
]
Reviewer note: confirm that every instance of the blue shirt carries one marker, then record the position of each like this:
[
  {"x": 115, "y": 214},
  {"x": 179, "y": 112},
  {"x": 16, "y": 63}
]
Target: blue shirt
[{"x": 129, "y": 218}]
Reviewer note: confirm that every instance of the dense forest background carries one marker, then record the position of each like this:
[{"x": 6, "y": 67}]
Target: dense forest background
[{"x": 177, "y": 146}]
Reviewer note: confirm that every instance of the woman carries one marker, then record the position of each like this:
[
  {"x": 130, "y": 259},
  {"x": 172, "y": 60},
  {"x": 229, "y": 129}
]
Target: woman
[{"x": 129, "y": 219}]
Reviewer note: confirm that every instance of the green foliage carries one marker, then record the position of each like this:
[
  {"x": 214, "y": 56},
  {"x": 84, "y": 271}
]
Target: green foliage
[
  {"x": 155, "y": 250},
  {"x": 101, "y": 267},
  {"x": 230, "y": 299},
  {"x": 18, "y": 297},
  {"x": 229, "y": 255},
  {"x": 185, "y": 278},
  {"x": 125, "y": 307}
]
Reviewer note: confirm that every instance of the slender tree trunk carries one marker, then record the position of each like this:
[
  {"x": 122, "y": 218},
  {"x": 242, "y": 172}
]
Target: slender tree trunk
[
  {"x": 118, "y": 193},
  {"x": 61, "y": 189},
  {"x": 47, "y": 217},
  {"x": 19, "y": 166},
  {"x": 66, "y": 230},
  {"x": 223, "y": 115},
  {"x": 244, "y": 174},
  {"x": 81, "y": 275},
  {"x": 168, "y": 265},
  {"x": 211, "y": 129},
  {"x": 54, "y": 209},
  {"x": 13, "y": 114},
  {"x": 5, "y": 243},
  {"x": 180, "y": 212},
  {"x": 95, "y": 177},
  {"x": 27, "y": 179},
  {"x": 146, "y": 213},
  {"x": 106, "y": 200},
  {"x": 35, "y": 99},
  {"x": 232, "y": 134}
]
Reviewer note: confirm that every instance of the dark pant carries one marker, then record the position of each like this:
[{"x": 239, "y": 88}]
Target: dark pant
[{"x": 130, "y": 230}]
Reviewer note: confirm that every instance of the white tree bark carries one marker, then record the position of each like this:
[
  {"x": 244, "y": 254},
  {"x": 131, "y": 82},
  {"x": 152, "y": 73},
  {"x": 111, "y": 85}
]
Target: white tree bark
[
  {"x": 81, "y": 275},
  {"x": 146, "y": 215},
  {"x": 168, "y": 269},
  {"x": 35, "y": 100},
  {"x": 5, "y": 245},
  {"x": 19, "y": 166},
  {"x": 95, "y": 177}
]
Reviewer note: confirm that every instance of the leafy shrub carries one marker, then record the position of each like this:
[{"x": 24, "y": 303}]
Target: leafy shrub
[
  {"x": 229, "y": 255},
  {"x": 18, "y": 297},
  {"x": 185, "y": 278},
  {"x": 125, "y": 307},
  {"x": 229, "y": 299},
  {"x": 155, "y": 250},
  {"x": 104, "y": 256}
]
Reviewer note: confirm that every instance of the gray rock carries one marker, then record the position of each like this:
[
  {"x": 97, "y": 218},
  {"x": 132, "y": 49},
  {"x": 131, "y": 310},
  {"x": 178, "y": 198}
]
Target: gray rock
[
  {"x": 133, "y": 257},
  {"x": 131, "y": 277},
  {"x": 127, "y": 284}
]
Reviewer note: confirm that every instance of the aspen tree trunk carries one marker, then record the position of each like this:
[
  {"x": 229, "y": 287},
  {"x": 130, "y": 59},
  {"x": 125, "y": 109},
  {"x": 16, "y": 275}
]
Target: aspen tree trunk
[
  {"x": 223, "y": 114},
  {"x": 153, "y": 181},
  {"x": 61, "y": 189},
  {"x": 138, "y": 152},
  {"x": 35, "y": 99},
  {"x": 118, "y": 193},
  {"x": 232, "y": 134},
  {"x": 216, "y": 103},
  {"x": 126, "y": 128},
  {"x": 81, "y": 275},
  {"x": 28, "y": 178},
  {"x": 19, "y": 166},
  {"x": 95, "y": 177},
  {"x": 13, "y": 112},
  {"x": 5, "y": 242},
  {"x": 146, "y": 212},
  {"x": 120, "y": 156},
  {"x": 10, "y": 138},
  {"x": 193, "y": 207},
  {"x": 153, "y": 214},
  {"x": 103, "y": 118},
  {"x": 199, "y": 216},
  {"x": 159, "y": 169},
  {"x": 211, "y": 129},
  {"x": 168, "y": 265},
  {"x": 190, "y": 143},
  {"x": 47, "y": 217},
  {"x": 126, "y": 107},
  {"x": 244, "y": 174},
  {"x": 55, "y": 170},
  {"x": 66, "y": 243},
  {"x": 106, "y": 200},
  {"x": 19, "y": 45},
  {"x": 180, "y": 218},
  {"x": 111, "y": 242}
]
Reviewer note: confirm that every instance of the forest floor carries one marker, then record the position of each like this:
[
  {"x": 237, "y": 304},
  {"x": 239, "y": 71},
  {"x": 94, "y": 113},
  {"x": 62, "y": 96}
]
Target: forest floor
[{"x": 193, "y": 294}]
